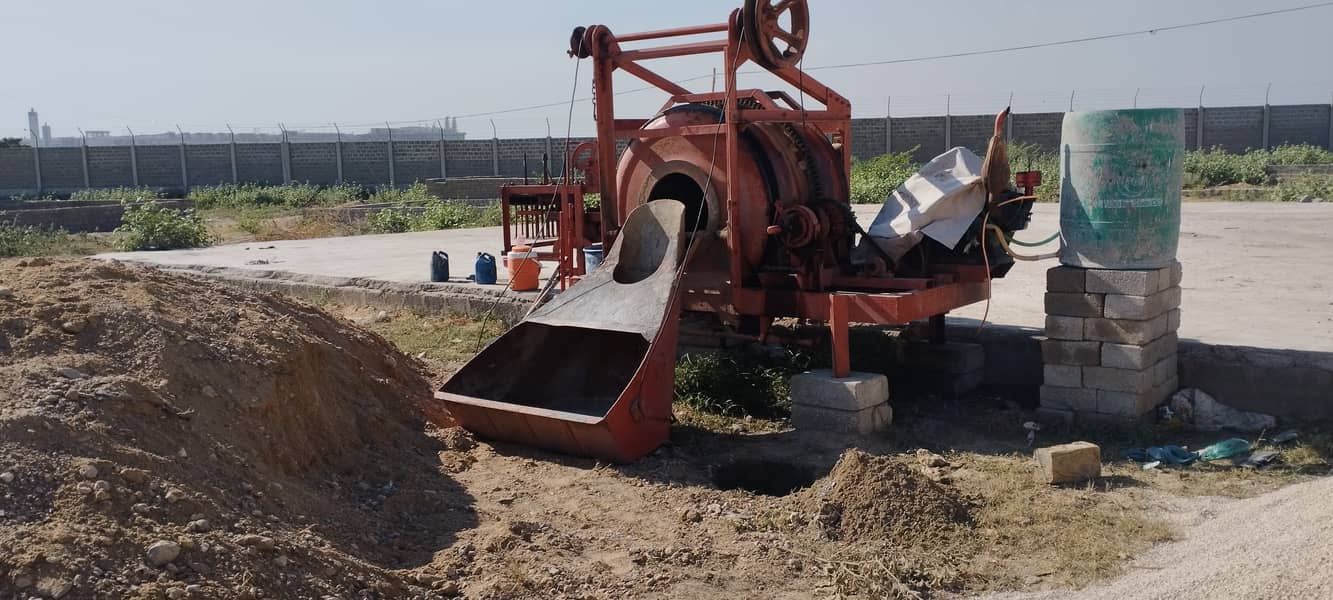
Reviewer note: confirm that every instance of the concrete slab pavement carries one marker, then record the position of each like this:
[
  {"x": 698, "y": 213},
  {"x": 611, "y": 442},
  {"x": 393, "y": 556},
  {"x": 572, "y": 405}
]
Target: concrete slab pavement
[{"x": 1256, "y": 274}]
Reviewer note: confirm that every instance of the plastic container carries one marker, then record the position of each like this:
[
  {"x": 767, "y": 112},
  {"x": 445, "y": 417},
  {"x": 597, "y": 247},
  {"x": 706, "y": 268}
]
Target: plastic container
[
  {"x": 485, "y": 269},
  {"x": 1121, "y": 177},
  {"x": 524, "y": 269},
  {"x": 439, "y": 266},
  {"x": 592, "y": 257}
]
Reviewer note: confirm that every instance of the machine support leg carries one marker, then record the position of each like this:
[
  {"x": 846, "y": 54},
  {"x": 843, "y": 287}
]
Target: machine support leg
[
  {"x": 842, "y": 363},
  {"x": 937, "y": 329}
]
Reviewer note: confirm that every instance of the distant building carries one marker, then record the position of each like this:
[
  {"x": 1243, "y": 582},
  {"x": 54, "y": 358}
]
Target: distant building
[
  {"x": 97, "y": 133},
  {"x": 46, "y": 134},
  {"x": 32, "y": 125}
]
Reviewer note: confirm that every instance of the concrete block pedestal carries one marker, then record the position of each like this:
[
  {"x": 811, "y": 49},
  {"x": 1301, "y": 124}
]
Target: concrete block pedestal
[
  {"x": 1110, "y": 352},
  {"x": 858, "y": 403}
]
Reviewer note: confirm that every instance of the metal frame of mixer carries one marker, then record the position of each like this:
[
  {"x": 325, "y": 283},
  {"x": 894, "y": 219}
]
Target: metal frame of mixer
[{"x": 754, "y": 34}]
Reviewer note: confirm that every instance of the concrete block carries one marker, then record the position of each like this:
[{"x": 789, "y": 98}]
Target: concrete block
[
  {"x": 1141, "y": 308},
  {"x": 855, "y": 392},
  {"x": 868, "y": 420},
  {"x": 1066, "y": 279},
  {"x": 1135, "y": 406},
  {"x": 1063, "y": 376},
  {"x": 1174, "y": 275},
  {"x": 1117, "y": 380},
  {"x": 1069, "y": 463},
  {"x": 1073, "y": 399},
  {"x": 1125, "y": 331},
  {"x": 1132, "y": 283},
  {"x": 959, "y": 385},
  {"x": 952, "y": 358},
  {"x": 1135, "y": 356},
  {"x": 1064, "y": 328},
  {"x": 1060, "y": 352},
  {"x": 1074, "y": 305},
  {"x": 1173, "y": 321},
  {"x": 1165, "y": 369}
]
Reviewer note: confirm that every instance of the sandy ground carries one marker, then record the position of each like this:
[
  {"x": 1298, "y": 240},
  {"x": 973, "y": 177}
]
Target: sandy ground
[
  {"x": 1278, "y": 545},
  {"x": 1256, "y": 273}
]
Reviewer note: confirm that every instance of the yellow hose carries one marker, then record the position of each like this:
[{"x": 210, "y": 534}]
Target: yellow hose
[{"x": 1004, "y": 243}]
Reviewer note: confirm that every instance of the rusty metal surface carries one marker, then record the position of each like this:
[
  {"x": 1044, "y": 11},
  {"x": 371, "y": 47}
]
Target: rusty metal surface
[{"x": 591, "y": 372}]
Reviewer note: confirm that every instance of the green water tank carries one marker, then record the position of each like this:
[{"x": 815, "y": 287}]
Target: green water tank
[{"x": 1120, "y": 179}]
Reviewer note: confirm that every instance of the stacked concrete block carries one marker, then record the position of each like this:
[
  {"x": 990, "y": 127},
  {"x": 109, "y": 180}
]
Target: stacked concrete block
[
  {"x": 1110, "y": 352},
  {"x": 856, "y": 404},
  {"x": 951, "y": 369}
]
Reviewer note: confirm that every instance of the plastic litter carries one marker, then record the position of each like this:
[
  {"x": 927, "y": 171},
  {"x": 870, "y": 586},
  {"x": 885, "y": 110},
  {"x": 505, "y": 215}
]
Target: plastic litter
[
  {"x": 1262, "y": 460},
  {"x": 1171, "y": 455},
  {"x": 1286, "y": 436},
  {"x": 1205, "y": 413},
  {"x": 1224, "y": 449}
]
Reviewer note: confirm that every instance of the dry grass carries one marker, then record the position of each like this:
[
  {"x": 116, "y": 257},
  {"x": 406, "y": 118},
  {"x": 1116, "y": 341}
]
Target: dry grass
[
  {"x": 443, "y": 341},
  {"x": 1061, "y": 536}
]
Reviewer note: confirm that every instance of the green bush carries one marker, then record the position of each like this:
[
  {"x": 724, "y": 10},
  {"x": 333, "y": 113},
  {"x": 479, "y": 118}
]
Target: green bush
[
  {"x": 1215, "y": 166},
  {"x": 1030, "y": 157},
  {"x": 295, "y": 195},
  {"x": 18, "y": 240},
  {"x": 873, "y": 180},
  {"x": 122, "y": 194},
  {"x": 148, "y": 226},
  {"x": 738, "y": 384},
  {"x": 1304, "y": 186},
  {"x": 391, "y": 195},
  {"x": 435, "y": 215}
]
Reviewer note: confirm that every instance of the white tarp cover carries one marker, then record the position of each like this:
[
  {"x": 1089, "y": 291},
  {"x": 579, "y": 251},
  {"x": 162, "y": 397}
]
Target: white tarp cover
[{"x": 941, "y": 201}]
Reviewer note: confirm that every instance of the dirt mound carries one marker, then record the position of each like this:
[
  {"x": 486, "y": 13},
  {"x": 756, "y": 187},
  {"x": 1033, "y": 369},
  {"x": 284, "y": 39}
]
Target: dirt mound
[
  {"x": 881, "y": 498},
  {"x": 167, "y": 437}
]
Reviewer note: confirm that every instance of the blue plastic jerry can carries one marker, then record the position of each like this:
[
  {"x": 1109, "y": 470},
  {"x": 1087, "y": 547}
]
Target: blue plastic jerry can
[
  {"x": 439, "y": 266},
  {"x": 485, "y": 269}
]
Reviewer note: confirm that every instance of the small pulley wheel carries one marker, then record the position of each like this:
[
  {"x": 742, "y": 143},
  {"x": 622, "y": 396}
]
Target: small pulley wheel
[
  {"x": 775, "y": 44},
  {"x": 578, "y": 46}
]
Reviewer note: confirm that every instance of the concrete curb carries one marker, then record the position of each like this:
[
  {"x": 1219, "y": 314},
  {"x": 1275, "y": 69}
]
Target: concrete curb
[{"x": 466, "y": 299}]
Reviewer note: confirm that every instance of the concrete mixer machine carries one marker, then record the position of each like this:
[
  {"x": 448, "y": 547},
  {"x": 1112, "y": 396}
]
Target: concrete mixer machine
[{"x": 756, "y": 185}]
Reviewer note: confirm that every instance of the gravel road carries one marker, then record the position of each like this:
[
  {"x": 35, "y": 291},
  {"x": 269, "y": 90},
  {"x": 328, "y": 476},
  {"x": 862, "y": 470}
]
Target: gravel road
[{"x": 1279, "y": 545}]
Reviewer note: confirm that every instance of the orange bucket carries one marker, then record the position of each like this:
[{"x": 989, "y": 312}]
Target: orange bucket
[{"x": 524, "y": 269}]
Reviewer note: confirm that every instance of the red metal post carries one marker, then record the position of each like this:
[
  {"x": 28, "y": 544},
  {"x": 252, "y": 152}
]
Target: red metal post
[{"x": 842, "y": 362}]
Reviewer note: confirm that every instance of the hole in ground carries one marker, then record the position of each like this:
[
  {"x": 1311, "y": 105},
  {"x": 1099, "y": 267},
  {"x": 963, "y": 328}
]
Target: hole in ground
[{"x": 764, "y": 477}]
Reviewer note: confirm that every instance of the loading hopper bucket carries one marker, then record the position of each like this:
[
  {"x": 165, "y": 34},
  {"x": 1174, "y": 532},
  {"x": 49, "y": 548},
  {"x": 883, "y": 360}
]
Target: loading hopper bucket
[{"x": 591, "y": 373}]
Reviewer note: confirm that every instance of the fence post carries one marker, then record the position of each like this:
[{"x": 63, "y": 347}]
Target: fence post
[
  {"x": 286, "y": 149},
  {"x": 185, "y": 169},
  {"x": 1198, "y": 125},
  {"x": 948, "y": 122},
  {"x": 235, "y": 173},
  {"x": 549, "y": 153},
  {"x": 495, "y": 150},
  {"x": 37, "y": 163},
  {"x": 1330, "y": 122},
  {"x": 444, "y": 171},
  {"x": 1267, "y": 92},
  {"x": 134, "y": 159},
  {"x": 888, "y": 126},
  {"x": 338, "y": 152},
  {"x": 83, "y": 154},
  {"x": 387, "y": 128},
  {"x": 1071, "y": 99}
]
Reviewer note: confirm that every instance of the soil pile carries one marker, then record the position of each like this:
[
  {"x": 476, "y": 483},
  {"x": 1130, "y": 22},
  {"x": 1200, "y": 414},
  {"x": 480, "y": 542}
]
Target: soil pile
[
  {"x": 881, "y": 498},
  {"x": 164, "y": 437}
]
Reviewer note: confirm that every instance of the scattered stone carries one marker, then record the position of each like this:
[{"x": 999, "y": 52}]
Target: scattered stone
[
  {"x": 134, "y": 475},
  {"x": 209, "y": 392},
  {"x": 53, "y": 588},
  {"x": 691, "y": 516},
  {"x": 140, "y": 508},
  {"x": 163, "y": 552},
  {"x": 450, "y": 588},
  {"x": 7, "y": 477},
  {"x": 194, "y": 588},
  {"x": 182, "y": 453},
  {"x": 101, "y": 495},
  {"x": 176, "y": 593},
  {"x": 71, "y": 373},
  {"x": 1069, "y": 463},
  {"x": 258, "y": 541},
  {"x": 930, "y": 459},
  {"x": 199, "y": 525},
  {"x": 73, "y": 327},
  {"x": 174, "y": 495},
  {"x": 102, "y": 485},
  {"x": 6, "y": 292},
  {"x": 281, "y": 561}
]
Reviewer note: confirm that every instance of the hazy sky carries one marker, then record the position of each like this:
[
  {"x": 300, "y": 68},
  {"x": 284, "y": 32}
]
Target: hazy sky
[{"x": 152, "y": 64}]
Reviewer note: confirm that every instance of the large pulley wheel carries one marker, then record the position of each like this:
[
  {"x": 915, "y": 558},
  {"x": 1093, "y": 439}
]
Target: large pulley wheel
[{"x": 777, "y": 42}]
